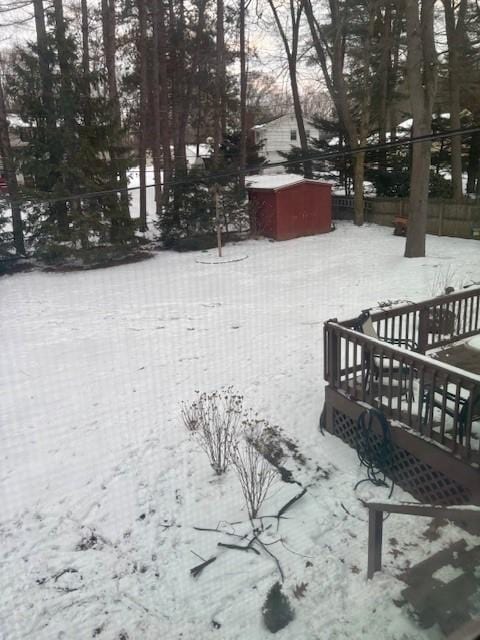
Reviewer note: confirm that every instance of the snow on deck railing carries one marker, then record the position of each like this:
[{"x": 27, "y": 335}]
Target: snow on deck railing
[{"x": 430, "y": 323}]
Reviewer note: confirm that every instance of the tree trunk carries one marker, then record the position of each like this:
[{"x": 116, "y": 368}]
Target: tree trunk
[
  {"x": 59, "y": 210},
  {"x": 86, "y": 62},
  {"x": 291, "y": 50},
  {"x": 358, "y": 178},
  {"x": 473, "y": 169},
  {"x": 219, "y": 84},
  {"x": 156, "y": 111},
  {"x": 455, "y": 31},
  {"x": 44, "y": 67},
  {"x": 421, "y": 69},
  {"x": 331, "y": 58},
  {"x": 297, "y": 107},
  {"x": 67, "y": 108},
  {"x": 142, "y": 141},
  {"x": 11, "y": 177},
  {"x": 243, "y": 96},
  {"x": 385, "y": 82},
  {"x": 109, "y": 45}
]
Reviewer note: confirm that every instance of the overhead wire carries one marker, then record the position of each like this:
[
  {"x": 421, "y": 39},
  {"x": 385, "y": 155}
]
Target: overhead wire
[{"x": 219, "y": 176}]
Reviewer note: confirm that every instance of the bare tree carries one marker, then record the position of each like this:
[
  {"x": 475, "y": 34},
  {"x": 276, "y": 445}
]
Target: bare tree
[
  {"x": 291, "y": 45},
  {"x": 421, "y": 67},
  {"x": 10, "y": 177},
  {"x": 330, "y": 44}
]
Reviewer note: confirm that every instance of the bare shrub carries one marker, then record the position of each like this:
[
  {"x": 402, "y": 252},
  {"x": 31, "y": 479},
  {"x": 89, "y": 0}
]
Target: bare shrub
[
  {"x": 255, "y": 473},
  {"x": 215, "y": 420}
]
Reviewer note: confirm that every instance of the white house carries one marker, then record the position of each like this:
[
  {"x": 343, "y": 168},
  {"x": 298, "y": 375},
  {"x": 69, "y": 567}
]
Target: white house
[{"x": 280, "y": 134}]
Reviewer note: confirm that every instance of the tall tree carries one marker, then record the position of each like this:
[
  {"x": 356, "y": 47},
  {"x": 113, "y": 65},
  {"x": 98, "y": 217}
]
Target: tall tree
[
  {"x": 143, "y": 118},
  {"x": 109, "y": 47},
  {"x": 11, "y": 177},
  {"x": 48, "y": 111},
  {"x": 159, "y": 92},
  {"x": 455, "y": 13},
  {"x": 348, "y": 37},
  {"x": 243, "y": 92},
  {"x": 85, "y": 58},
  {"x": 291, "y": 45},
  {"x": 219, "y": 128},
  {"x": 421, "y": 68}
]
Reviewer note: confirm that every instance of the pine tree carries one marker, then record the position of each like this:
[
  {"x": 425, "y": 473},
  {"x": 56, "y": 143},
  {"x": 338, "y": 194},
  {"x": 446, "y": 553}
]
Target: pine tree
[{"x": 68, "y": 150}]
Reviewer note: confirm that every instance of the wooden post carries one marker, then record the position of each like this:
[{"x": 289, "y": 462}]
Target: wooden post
[
  {"x": 375, "y": 532},
  {"x": 334, "y": 364},
  {"x": 423, "y": 330}
]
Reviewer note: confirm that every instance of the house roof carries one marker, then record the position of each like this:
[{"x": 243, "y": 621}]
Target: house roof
[{"x": 263, "y": 124}]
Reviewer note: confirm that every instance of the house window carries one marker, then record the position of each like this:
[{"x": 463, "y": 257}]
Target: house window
[{"x": 293, "y": 135}]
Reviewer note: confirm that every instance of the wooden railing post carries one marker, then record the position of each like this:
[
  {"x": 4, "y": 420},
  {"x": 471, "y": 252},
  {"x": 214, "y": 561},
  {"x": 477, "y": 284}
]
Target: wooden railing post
[
  {"x": 333, "y": 361},
  {"x": 423, "y": 329},
  {"x": 375, "y": 533}
]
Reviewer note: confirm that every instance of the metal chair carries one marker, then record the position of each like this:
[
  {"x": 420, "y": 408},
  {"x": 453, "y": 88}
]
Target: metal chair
[{"x": 364, "y": 325}]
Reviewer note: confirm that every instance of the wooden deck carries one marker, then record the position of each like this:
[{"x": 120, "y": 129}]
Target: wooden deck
[{"x": 431, "y": 404}]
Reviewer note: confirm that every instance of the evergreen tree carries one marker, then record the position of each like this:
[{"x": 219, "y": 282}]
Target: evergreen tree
[{"x": 68, "y": 151}]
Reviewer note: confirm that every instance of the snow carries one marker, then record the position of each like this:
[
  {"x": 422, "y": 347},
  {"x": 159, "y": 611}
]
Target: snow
[
  {"x": 274, "y": 181},
  {"x": 447, "y": 574},
  {"x": 101, "y": 486},
  {"x": 474, "y": 343}
]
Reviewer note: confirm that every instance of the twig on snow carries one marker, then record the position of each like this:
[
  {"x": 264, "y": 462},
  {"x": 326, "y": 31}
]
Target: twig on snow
[
  {"x": 196, "y": 571},
  {"x": 225, "y": 533}
]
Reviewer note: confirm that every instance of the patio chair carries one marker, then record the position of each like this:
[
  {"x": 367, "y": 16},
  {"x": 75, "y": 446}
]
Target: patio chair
[
  {"x": 450, "y": 399},
  {"x": 364, "y": 325}
]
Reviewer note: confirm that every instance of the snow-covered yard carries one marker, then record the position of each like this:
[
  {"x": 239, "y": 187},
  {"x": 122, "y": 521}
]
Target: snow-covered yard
[{"x": 100, "y": 485}]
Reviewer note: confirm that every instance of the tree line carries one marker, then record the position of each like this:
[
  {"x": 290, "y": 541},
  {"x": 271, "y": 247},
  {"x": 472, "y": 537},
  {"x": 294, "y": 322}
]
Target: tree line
[{"x": 113, "y": 84}]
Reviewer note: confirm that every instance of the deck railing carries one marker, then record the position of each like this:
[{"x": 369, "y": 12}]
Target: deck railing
[
  {"x": 436, "y": 400},
  {"x": 431, "y": 323}
]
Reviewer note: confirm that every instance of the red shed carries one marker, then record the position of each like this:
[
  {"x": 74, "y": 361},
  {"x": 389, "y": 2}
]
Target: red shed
[{"x": 287, "y": 206}]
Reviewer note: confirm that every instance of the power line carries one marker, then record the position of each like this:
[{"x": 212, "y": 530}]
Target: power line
[{"x": 213, "y": 178}]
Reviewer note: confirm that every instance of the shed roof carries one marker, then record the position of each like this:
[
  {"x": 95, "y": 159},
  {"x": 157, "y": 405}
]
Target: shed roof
[{"x": 277, "y": 181}]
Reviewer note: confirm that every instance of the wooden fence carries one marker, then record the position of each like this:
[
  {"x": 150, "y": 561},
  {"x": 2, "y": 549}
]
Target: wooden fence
[{"x": 445, "y": 218}]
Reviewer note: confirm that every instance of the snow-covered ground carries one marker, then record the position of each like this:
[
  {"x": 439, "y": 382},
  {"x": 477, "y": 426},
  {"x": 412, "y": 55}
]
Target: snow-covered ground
[{"x": 100, "y": 485}]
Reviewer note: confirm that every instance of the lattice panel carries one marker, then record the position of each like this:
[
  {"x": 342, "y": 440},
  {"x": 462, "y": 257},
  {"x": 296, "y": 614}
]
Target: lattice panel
[{"x": 410, "y": 473}]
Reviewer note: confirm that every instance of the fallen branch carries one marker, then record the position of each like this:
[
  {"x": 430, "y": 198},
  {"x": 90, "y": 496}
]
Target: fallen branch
[
  {"x": 248, "y": 547},
  {"x": 196, "y": 571},
  {"x": 277, "y": 561},
  {"x": 289, "y": 504}
]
